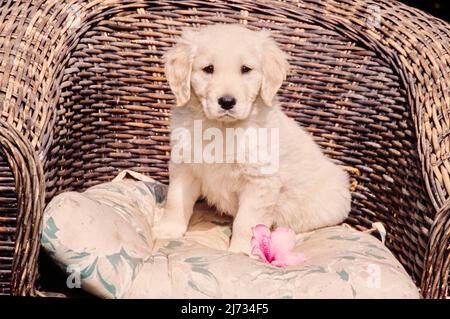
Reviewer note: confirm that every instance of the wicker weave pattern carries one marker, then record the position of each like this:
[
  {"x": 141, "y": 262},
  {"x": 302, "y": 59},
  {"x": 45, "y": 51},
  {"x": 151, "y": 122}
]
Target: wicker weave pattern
[{"x": 83, "y": 94}]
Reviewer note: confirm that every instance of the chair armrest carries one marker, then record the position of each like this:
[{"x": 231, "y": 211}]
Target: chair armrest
[
  {"x": 31, "y": 51},
  {"x": 30, "y": 187},
  {"x": 435, "y": 283}
]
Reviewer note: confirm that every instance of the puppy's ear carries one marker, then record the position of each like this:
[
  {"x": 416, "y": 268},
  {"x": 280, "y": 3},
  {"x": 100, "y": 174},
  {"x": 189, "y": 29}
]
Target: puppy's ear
[
  {"x": 178, "y": 67},
  {"x": 275, "y": 67}
]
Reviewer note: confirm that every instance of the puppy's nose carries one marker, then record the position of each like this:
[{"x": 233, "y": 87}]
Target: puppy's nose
[{"x": 227, "y": 102}]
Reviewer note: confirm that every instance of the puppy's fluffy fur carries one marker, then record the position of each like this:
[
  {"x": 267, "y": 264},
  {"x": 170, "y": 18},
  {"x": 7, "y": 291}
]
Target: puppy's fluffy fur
[{"x": 308, "y": 191}]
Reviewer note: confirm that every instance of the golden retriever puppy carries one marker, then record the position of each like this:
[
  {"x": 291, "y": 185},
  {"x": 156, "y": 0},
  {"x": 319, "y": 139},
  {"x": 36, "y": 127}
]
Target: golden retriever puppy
[{"x": 225, "y": 78}]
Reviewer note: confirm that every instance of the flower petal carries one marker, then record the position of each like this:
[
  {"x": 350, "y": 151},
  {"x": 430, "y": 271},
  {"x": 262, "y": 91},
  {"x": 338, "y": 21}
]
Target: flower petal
[
  {"x": 260, "y": 231},
  {"x": 283, "y": 241},
  {"x": 278, "y": 263},
  {"x": 261, "y": 242},
  {"x": 292, "y": 258}
]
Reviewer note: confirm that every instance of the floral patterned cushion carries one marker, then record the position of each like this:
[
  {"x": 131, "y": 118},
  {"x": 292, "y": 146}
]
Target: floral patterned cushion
[{"x": 103, "y": 239}]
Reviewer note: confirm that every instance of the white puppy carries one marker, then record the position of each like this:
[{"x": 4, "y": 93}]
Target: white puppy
[{"x": 226, "y": 76}]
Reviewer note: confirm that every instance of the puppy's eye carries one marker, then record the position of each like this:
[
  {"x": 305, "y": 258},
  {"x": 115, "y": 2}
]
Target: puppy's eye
[
  {"x": 245, "y": 69},
  {"x": 209, "y": 69}
]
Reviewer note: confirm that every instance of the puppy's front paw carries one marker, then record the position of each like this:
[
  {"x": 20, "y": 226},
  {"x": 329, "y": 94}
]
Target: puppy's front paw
[
  {"x": 239, "y": 247},
  {"x": 168, "y": 230}
]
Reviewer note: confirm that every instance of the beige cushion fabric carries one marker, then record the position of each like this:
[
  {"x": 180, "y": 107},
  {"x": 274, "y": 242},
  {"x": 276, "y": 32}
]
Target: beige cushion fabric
[{"x": 102, "y": 237}]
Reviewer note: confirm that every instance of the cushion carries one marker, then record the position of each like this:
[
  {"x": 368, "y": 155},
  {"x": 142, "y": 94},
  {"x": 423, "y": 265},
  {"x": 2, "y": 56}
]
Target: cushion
[{"x": 102, "y": 238}]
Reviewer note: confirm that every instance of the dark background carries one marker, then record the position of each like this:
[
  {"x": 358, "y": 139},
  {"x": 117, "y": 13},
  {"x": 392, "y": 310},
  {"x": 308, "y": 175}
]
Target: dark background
[{"x": 438, "y": 8}]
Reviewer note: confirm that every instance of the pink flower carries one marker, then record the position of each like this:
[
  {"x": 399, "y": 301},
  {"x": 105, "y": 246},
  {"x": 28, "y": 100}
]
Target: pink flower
[{"x": 275, "y": 247}]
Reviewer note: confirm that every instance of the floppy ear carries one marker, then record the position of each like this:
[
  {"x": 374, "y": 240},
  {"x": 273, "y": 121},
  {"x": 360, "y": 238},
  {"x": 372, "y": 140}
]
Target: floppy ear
[
  {"x": 178, "y": 66},
  {"x": 275, "y": 68}
]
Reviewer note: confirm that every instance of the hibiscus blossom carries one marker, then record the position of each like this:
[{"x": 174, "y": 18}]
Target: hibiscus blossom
[{"x": 275, "y": 247}]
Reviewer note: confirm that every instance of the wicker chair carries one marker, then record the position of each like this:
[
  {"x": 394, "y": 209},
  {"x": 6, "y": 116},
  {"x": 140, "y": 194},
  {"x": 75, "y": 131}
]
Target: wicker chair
[{"x": 83, "y": 95}]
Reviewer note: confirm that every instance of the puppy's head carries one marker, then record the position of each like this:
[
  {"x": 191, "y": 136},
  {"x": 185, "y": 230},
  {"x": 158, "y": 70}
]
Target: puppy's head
[{"x": 226, "y": 68}]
